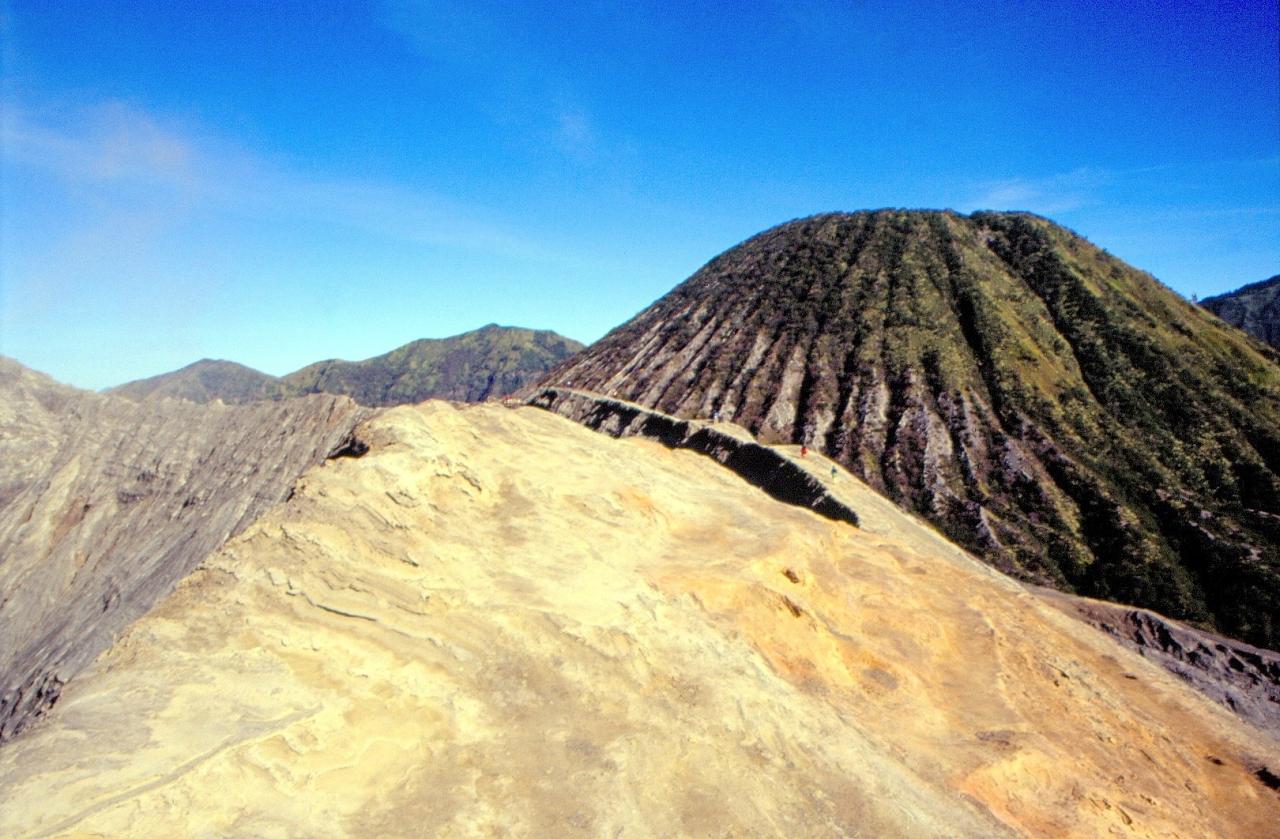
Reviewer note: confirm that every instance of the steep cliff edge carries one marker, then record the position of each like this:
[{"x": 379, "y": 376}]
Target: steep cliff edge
[{"x": 108, "y": 504}]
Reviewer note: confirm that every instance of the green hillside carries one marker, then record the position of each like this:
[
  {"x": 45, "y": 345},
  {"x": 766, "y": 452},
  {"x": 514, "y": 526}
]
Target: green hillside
[{"x": 486, "y": 363}]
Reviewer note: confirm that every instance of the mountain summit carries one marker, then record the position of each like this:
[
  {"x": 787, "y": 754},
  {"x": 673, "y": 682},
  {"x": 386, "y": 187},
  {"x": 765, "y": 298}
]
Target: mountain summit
[
  {"x": 486, "y": 363},
  {"x": 1046, "y": 405},
  {"x": 482, "y": 364},
  {"x": 204, "y": 381}
]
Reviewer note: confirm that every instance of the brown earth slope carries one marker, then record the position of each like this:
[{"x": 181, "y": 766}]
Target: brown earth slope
[
  {"x": 497, "y": 622},
  {"x": 1052, "y": 409},
  {"x": 107, "y": 504}
]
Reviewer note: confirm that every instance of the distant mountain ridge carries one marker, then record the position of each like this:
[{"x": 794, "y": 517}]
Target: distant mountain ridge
[
  {"x": 1255, "y": 308},
  {"x": 485, "y": 363},
  {"x": 206, "y": 380},
  {"x": 1058, "y": 412}
]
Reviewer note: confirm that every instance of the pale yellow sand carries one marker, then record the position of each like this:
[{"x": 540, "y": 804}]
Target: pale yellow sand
[{"x": 499, "y": 623}]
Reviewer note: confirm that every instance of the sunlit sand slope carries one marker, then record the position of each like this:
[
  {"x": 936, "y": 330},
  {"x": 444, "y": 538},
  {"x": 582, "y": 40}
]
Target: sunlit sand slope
[{"x": 497, "y": 622}]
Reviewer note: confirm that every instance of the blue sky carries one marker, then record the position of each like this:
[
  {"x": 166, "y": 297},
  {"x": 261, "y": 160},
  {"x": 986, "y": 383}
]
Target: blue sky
[{"x": 280, "y": 182}]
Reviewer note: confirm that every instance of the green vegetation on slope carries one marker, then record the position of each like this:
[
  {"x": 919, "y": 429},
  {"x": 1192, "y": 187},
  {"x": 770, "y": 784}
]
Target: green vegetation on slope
[
  {"x": 486, "y": 363},
  {"x": 205, "y": 381},
  {"x": 1051, "y": 408}
]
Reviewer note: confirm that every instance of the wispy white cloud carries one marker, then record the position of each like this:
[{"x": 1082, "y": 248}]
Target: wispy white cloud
[
  {"x": 1183, "y": 190},
  {"x": 1052, "y": 194},
  {"x": 103, "y": 147},
  {"x": 117, "y": 153}
]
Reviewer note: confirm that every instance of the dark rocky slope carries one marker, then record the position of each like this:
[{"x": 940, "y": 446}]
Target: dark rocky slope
[
  {"x": 108, "y": 503},
  {"x": 1049, "y": 407},
  {"x": 487, "y": 363},
  {"x": 1255, "y": 308}
]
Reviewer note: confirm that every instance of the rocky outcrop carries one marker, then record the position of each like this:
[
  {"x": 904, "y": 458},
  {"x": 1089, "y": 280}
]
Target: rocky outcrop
[
  {"x": 1057, "y": 412},
  {"x": 1255, "y": 308},
  {"x": 111, "y": 503},
  {"x": 758, "y": 465}
]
